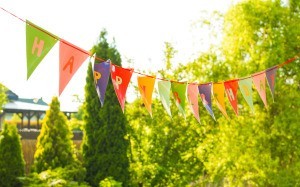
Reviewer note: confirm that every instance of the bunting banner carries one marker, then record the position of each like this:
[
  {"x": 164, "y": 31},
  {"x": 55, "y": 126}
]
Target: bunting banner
[
  {"x": 245, "y": 86},
  {"x": 120, "y": 78},
  {"x": 101, "y": 76},
  {"x": 271, "y": 74},
  {"x": 179, "y": 93},
  {"x": 218, "y": 93},
  {"x": 146, "y": 86},
  {"x": 231, "y": 88},
  {"x": 70, "y": 60},
  {"x": 192, "y": 96},
  {"x": 164, "y": 88},
  {"x": 260, "y": 85},
  {"x": 205, "y": 95},
  {"x": 38, "y": 43}
]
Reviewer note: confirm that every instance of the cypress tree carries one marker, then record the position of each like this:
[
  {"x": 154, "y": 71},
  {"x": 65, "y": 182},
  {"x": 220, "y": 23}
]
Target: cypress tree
[
  {"x": 12, "y": 163},
  {"x": 54, "y": 144},
  {"x": 104, "y": 146}
]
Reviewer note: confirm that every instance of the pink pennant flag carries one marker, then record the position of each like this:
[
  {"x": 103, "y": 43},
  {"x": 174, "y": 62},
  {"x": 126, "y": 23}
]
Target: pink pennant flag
[
  {"x": 231, "y": 88},
  {"x": 192, "y": 96},
  {"x": 120, "y": 79},
  {"x": 260, "y": 85},
  {"x": 70, "y": 59}
]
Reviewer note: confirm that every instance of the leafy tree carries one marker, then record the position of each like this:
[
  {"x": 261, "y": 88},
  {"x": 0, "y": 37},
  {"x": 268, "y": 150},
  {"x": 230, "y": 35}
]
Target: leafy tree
[
  {"x": 54, "y": 145},
  {"x": 3, "y": 97},
  {"x": 105, "y": 145},
  {"x": 12, "y": 163}
]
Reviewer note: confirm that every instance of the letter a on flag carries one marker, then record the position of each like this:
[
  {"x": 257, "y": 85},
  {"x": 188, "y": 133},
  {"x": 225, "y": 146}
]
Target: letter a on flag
[
  {"x": 101, "y": 76},
  {"x": 70, "y": 60},
  {"x": 231, "y": 88},
  {"x": 271, "y": 74},
  {"x": 179, "y": 93},
  {"x": 192, "y": 95},
  {"x": 38, "y": 43},
  {"x": 205, "y": 95},
  {"x": 218, "y": 92},
  {"x": 146, "y": 86},
  {"x": 260, "y": 85},
  {"x": 120, "y": 78},
  {"x": 164, "y": 88}
]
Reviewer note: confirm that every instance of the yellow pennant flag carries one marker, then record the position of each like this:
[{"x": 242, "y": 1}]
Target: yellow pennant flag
[
  {"x": 146, "y": 86},
  {"x": 218, "y": 92}
]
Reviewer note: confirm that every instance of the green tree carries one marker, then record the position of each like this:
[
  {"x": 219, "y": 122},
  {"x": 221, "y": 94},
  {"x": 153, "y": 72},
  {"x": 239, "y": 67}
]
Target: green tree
[
  {"x": 105, "y": 144},
  {"x": 54, "y": 145},
  {"x": 3, "y": 97},
  {"x": 12, "y": 163}
]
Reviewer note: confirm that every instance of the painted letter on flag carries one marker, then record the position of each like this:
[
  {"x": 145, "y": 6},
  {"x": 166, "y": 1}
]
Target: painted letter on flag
[
  {"x": 70, "y": 60},
  {"x": 101, "y": 76},
  {"x": 164, "y": 88},
  {"x": 120, "y": 79},
  {"x": 179, "y": 93},
  {"x": 146, "y": 86},
  {"x": 38, "y": 43}
]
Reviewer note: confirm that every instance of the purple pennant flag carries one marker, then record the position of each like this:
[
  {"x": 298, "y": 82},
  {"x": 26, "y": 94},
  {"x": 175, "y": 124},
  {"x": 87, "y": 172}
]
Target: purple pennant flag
[
  {"x": 205, "y": 95},
  {"x": 271, "y": 74},
  {"x": 101, "y": 75}
]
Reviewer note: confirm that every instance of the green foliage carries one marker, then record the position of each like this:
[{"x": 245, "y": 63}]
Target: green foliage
[
  {"x": 109, "y": 182},
  {"x": 54, "y": 145},
  {"x": 12, "y": 164},
  {"x": 68, "y": 176},
  {"x": 3, "y": 97},
  {"x": 104, "y": 146}
]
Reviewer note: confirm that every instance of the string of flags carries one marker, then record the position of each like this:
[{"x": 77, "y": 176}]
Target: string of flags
[{"x": 39, "y": 42}]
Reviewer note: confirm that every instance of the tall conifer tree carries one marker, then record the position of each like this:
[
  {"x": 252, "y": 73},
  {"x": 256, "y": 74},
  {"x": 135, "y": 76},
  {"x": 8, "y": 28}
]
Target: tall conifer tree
[
  {"x": 54, "y": 145},
  {"x": 104, "y": 146}
]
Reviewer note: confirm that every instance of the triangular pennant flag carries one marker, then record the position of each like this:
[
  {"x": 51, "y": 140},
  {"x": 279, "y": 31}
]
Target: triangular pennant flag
[
  {"x": 271, "y": 74},
  {"x": 70, "y": 60},
  {"x": 218, "y": 92},
  {"x": 192, "y": 95},
  {"x": 101, "y": 76},
  {"x": 120, "y": 79},
  {"x": 260, "y": 85},
  {"x": 179, "y": 93},
  {"x": 146, "y": 86},
  {"x": 38, "y": 43},
  {"x": 164, "y": 93},
  {"x": 205, "y": 95},
  {"x": 245, "y": 86},
  {"x": 231, "y": 88}
]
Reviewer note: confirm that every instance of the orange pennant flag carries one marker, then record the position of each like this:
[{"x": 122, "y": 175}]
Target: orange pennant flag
[
  {"x": 231, "y": 88},
  {"x": 218, "y": 92},
  {"x": 146, "y": 86},
  {"x": 70, "y": 59}
]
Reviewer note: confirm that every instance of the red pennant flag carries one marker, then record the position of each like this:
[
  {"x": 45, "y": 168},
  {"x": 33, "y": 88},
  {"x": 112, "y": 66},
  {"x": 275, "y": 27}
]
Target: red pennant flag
[
  {"x": 231, "y": 88},
  {"x": 271, "y": 75},
  {"x": 120, "y": 79},
  {"x": 70, "y": 59},
  {"x": 260, "y": 85}
]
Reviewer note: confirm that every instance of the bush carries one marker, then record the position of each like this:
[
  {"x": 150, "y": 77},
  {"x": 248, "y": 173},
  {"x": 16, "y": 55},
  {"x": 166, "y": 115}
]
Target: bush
[
  {"x": 109, "y": 182},
  {"x": 12, "y": 164}
]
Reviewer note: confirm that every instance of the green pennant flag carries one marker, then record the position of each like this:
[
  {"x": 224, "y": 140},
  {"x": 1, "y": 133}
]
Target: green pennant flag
[
  {"x": 246, "y": 90},
  {"x": 164, "y": 92},
  {"x": 179, "y": 93},
  {"x": 38, "y": 43}
]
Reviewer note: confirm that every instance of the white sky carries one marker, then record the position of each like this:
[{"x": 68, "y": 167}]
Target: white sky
[{"x": 140, "y": 28}]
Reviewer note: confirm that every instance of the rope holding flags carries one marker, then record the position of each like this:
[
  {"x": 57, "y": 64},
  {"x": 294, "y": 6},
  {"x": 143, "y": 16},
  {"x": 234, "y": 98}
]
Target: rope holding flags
[{"x": 39, "y": 42}]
